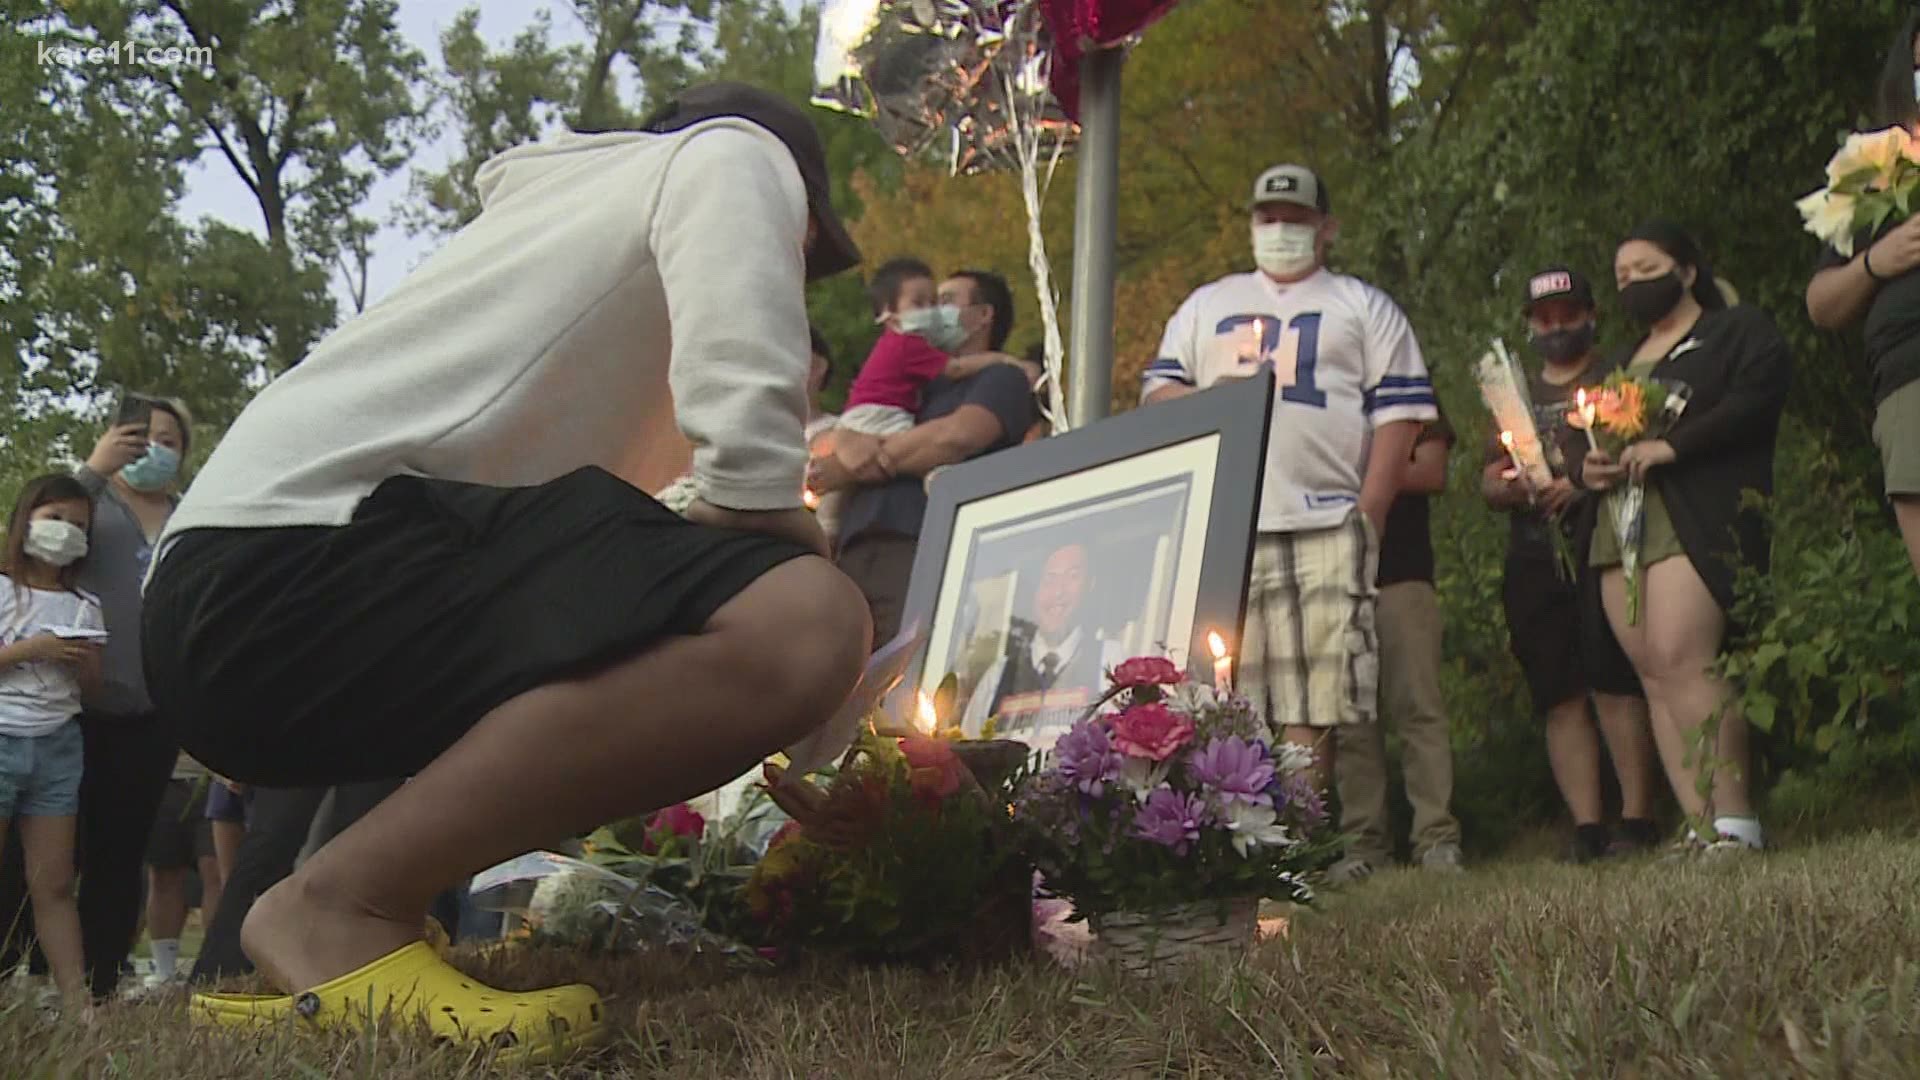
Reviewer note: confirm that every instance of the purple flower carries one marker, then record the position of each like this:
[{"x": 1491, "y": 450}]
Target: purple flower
[
  {"x": 1087, "y": 757},
  {"x": 1298, "y": 794},
  {"x": 1234, "y": 769},
  {"x": 1171, "y": 819}
]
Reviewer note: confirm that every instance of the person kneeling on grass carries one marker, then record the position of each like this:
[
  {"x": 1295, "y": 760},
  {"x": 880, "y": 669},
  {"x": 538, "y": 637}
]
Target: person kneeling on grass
[{"x": 426, "y": 550}]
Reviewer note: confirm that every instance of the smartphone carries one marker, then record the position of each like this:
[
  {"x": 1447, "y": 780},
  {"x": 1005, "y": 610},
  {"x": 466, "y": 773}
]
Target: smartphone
[{"x": 133, "y": 409}]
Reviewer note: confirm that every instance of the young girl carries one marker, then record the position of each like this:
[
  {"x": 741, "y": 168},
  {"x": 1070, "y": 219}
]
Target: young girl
[{"x": 49, "y": 648}]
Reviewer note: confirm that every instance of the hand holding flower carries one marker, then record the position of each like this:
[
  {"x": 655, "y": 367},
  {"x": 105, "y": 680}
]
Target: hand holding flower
[
  {"x": 1601, "y": 471},
  {"x": 1898, "y": 251},
  {"x": 1641, "y": 457}
]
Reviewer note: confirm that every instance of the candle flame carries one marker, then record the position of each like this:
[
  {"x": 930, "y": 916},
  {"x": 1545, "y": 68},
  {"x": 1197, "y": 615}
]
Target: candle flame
[
  {"x": 1218, "y": 644},
  {"x": 928, "y": 719},
  {"x": 811, "y": 499}
]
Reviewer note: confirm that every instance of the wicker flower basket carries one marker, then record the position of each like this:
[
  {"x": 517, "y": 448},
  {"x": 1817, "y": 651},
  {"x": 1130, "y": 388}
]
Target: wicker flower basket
[{"x": 1169, "y": 942}]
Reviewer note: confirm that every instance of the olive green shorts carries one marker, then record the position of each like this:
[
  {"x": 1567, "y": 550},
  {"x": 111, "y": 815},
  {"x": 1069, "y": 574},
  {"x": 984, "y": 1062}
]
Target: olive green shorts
[{"x": 1896, "y": 431}]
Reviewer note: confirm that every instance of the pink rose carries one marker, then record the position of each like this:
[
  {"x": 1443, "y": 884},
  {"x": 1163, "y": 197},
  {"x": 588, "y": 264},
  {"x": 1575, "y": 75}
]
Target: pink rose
[
  {"x": 934, "y": 769},
  {"x": 1147, "y": 671},
  {"x": 1153, "y": 732},
  {"x": 678, "y": 820}
]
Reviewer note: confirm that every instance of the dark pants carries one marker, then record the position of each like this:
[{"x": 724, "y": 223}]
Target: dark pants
[
  {"x": 129, "y": 760},
  {"x": 282, "y": 818},
  {"x": 882, "y": 565}
]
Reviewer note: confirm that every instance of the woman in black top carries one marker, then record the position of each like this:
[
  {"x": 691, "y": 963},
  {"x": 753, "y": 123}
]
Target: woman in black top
[
  {"x": 1879, "y": 284},
  {"x": 1696, "y": 535}
]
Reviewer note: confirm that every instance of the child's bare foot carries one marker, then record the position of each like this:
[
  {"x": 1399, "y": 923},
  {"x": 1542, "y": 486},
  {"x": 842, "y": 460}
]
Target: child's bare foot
[{"x": 300, "y": 937}]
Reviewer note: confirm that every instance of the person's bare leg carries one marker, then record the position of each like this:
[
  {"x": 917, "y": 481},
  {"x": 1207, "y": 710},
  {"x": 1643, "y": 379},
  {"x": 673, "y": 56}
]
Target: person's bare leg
[
  {"x": 1684, "y": 631},
  {"x": 226, "y": 845},
  {"x": 1573, "y": 752},
  {"x": 1323, "y": 744},
  {"x": 1624, "y": 722},
  {"x": 212, "y": 881},
  {"x": 166, "y": 902},
  {"x": 1906, "y": 511},
  {"x": 680, "y": 719},
  {"x": 1668, "y": 738},
  {"x": 47, "y": 843}
]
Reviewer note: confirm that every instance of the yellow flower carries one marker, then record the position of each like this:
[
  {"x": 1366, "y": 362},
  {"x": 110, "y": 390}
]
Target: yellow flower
[{"x": 1879, "y": 151}]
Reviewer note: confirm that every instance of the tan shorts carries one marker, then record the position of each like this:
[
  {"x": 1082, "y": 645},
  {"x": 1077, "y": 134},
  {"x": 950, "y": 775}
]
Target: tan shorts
[
  {"x": 1896, "y": 431},
  {"x": 1310, "y": 656}
]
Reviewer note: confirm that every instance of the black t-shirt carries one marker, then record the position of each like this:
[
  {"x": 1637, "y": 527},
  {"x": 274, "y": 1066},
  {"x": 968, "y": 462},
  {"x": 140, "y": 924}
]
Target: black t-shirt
[
  {"x": 1406, "y": 544},
  {"x": 1892, "y": 324},
  {"x": 1529, "y": 539},
  {"x": 897, "y": 506}
]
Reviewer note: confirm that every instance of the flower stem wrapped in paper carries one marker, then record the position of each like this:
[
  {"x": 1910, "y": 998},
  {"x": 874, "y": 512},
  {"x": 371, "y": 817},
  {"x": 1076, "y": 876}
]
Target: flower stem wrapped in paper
[
  {"x": 1627, "y": 409},
  {"x": 1870, "y": 182},
  {"x": 1503, "y": 386}
]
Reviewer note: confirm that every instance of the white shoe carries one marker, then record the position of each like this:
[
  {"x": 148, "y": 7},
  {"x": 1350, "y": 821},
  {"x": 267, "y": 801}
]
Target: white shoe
[{"x": 1443, "y": 859}]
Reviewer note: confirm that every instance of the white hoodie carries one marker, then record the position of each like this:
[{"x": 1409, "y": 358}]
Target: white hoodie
[{"x": 631, "y": 301}]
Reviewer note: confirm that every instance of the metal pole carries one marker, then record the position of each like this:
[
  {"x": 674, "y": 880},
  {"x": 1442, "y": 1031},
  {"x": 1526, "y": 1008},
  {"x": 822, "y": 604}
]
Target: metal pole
[{"x": 1095, "y": 219}]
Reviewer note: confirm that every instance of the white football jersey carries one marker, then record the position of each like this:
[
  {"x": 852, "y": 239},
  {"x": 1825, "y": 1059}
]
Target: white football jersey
[{"x": 1344, "y": 360}]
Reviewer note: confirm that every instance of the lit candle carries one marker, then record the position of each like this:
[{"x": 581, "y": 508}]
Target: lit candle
[
  {"x": 1586, "y": 416},
  {"x": 1506, "y": 440},
  {"x": 809, "y": 498},
  {"x": 1222, "y": 662},
  {"x": 929, "y": 720}
]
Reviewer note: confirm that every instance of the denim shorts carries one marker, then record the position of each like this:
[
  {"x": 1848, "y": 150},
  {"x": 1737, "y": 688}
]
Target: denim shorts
[{"x": 40, "y": 774}]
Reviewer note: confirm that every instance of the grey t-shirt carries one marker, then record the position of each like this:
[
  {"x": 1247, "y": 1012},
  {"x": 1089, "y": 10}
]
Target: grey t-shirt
[
  {"x": 117, "y": 556},
  {"x": 898, "y": 506}
]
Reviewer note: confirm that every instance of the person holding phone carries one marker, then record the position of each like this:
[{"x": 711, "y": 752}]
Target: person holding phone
[{"x": 133, "y": 479}]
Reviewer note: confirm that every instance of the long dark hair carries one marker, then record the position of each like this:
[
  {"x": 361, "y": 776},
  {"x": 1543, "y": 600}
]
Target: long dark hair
[
  {"x": 1894, "y": 101},
  {"x": 38, "y": 492},
  {"x": 1679, "y": 246}
]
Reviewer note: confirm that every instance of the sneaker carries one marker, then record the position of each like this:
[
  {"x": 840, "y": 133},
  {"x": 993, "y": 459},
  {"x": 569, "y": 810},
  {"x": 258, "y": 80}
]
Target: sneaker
[
  {"x": 1636, "y": 836},
  {"x": 1728, "y": 847},
  {"x": 1443, "y": 859},
  {"x": 1589, "y": 844},
  {"x": 1349, "y": 871}
]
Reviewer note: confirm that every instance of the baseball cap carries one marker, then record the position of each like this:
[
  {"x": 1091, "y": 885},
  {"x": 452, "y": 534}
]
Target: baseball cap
[
  {"x": 833, "y": 249},
  {"x": 1295, "y": 184},
  {"x": 1558, "y": 283}
]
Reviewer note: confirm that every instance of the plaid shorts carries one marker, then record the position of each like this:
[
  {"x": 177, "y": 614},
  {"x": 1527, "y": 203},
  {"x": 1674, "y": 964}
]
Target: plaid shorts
[{"x": 1310, "y": 656}]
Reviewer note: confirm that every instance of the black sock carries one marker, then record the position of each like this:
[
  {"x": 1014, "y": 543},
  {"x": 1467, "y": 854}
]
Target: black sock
[
  {"x": 1640, "y": 831},
  {"x": 1590, "y": 840}
]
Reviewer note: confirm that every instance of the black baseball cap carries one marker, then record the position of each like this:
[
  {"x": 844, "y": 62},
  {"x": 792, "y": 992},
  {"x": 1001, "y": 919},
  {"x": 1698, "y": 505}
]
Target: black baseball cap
[
  {"x": 1558, "y": 283},
  {"x": 833, "y": 249}
]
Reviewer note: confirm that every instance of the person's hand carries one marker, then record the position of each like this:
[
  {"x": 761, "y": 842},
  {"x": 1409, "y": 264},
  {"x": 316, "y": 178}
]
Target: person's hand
[
  {"x": 1642, "y": 457},
  {"x": 1376, "y": 512},
  {"x": 1600, "y": 471},
  {"x": 864, "y": 459},
  {"x": 1032, "y": 370},
  {"x": 826, "y": 475},
  {"x": 118, "y": 448},
  {"x": 1557, "y": 496},
  {"x": 1898, "y": 251},
  {"x": 797, "y": 526},
  {"x": 53, "y": 649}
]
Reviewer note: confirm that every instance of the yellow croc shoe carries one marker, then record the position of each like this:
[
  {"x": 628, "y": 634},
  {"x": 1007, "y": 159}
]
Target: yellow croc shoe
[{"x": 538, "y": 1027}]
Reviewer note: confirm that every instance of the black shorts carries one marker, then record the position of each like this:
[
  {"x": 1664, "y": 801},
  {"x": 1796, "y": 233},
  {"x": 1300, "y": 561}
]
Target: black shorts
[
  {"x": 1560, "y": 636},
  {"x": 327, "y": 655},
  {"x": 181, "y": 834}
]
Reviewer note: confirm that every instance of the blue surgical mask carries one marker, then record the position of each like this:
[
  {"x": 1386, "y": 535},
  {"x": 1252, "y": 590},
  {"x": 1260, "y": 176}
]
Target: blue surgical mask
[{"x": 153, "y": 470}]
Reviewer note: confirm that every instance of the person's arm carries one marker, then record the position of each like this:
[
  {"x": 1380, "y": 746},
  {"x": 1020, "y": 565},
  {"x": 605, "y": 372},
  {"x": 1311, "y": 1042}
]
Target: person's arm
[
  {"x": 1838, "y": 295},
  {"x": 26, "y": 650},
  {"x": 1501, "y": 491},
  {"x": 964, "y": 367},
  {"x": 1760, "y": 378},
  {"x": 1175, "y": 372},
  {"x": 1386, "y": 468},
  {"x": 999, "y": 407},
  {"x": 1427, "y": 471},
  {"x": 727, "y": 234}
]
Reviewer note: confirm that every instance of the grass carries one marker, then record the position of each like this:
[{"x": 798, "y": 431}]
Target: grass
[{"x": 1801, "y": 963}]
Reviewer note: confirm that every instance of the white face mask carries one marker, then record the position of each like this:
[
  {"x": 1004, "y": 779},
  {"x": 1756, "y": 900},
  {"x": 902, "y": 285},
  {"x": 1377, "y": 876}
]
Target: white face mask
[
  {"x": 60, "y": 543},
  {"x": 939, "y": 325},
  {"x": 1285, "y": 249}
]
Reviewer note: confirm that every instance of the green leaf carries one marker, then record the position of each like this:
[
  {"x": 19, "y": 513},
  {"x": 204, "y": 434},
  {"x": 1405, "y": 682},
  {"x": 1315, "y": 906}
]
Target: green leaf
[{"x": 1824, "y": 739}]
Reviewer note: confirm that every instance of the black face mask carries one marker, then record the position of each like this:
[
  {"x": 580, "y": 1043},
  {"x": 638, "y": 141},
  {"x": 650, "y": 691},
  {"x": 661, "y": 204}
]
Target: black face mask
[
  {"x": 1565, "y": 344},
  {"x": 1649, "y": 301}
]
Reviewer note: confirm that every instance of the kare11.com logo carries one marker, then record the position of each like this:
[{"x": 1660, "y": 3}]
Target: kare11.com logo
[{"x": 124, "y": 52}]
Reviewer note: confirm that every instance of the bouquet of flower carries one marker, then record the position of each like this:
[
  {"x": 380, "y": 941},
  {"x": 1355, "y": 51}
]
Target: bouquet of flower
[
  {"x": 1870, "y": 180},
  {"x": 1627, "y": 409},
  {"x": 1170, "y": 796},
  {"x": 905, "y": 854}
]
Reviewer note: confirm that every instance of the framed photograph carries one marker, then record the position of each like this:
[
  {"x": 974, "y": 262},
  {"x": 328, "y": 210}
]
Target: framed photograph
[{"x": 1041, "y": 567}]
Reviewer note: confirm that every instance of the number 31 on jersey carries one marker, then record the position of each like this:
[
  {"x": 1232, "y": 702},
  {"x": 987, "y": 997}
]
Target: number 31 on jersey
[{"x": 1258, "y": 338}]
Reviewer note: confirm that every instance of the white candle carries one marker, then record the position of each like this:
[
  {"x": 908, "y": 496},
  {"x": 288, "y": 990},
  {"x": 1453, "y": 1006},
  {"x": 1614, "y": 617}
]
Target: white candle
[
  {"x": 1222, "y": 661},
  {"x": 1506, "y": 440},
  {"x": 1586, "y": 416}
]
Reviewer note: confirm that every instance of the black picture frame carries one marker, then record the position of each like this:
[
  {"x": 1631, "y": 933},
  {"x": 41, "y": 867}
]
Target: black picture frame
[{"x": 1237, "y": 411}]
